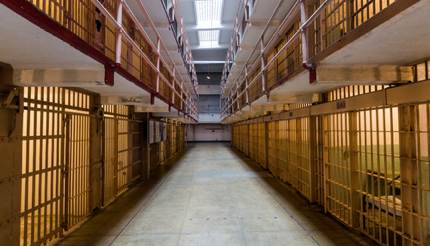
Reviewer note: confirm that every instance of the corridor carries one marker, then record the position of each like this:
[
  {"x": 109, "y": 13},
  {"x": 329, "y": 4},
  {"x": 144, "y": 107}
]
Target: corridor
[{"x": 212, "y": 196}]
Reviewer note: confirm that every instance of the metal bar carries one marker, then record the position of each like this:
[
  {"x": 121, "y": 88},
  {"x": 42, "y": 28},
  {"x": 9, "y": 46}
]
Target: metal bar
[{"x": 118, "y": 32}]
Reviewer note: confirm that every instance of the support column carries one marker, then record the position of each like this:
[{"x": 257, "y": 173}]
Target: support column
[
  {"x": 118, "y": 48},
  {"x": 11, "y": 112},
  {"x": 146, "y": 169},
  {"x": 158, "y": 67},
  {"x": 313, "y": 158},
  {"x": 304, "y": 32},
  {"x": 266, "y": 145},
  {"x": 263, "y": 69},
  {"x": 246, "y": 85},
  {"x": 96, "y": 153}
]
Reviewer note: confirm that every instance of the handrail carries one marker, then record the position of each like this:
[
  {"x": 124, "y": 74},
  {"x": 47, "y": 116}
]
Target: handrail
[
  {"x": 234, "y": 95},
  {"x": 306, "y": 21},
  {"x": 264, "y": 31},
  {"x": 286, "y": 18},
  {"x": 159, "y": 39},
  {"x": 123, "y": 32},
  {"x": 269, "y": 63}
]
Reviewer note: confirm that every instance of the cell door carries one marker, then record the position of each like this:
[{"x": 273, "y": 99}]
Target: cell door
[{"x": 55, "y": 162}]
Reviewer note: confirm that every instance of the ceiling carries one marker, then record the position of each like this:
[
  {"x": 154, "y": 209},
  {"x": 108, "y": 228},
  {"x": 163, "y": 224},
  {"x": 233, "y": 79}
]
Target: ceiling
[{"x": 209, "y": 26}]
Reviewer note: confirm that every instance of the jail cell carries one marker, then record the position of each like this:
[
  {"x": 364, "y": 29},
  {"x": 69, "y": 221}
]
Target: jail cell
[
  {"x": 297, "y": 171},
  {"x": 394, "y": 174},
  {"x": 317, "y": 162},
  {"x": 253, "y": 141},
  {"x": 110, "y": 184},
  {"x": 282, "y": 150},
  {"x": 55, "y": 162},
  {"x": 235, "y": 136},
  {"x": 181, "y": 141},
  {"x": 162, "y": 153},
  {"x": 122, "y": 150},
  {"x": 175, "y": 138},
  {"x": 272, "y": 147},
  {"x": 77, "y": 152},
  {"x": 163, "y": 143},
  {"x": 136, "y": 138},
  {"x": 261, "y": 144},
  {"x": 172, "y": 136},
  {"x": 337, "y": 164}
]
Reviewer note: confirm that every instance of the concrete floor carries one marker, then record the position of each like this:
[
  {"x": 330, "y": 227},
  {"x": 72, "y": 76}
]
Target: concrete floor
[{"x": 212, "y": 196}]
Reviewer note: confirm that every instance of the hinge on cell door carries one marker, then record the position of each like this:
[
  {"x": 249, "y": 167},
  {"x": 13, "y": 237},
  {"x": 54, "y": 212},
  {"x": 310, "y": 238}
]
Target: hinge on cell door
[
  {"x": 65, "y": 171},
  {"x": 11, "y": 102},
  {"x": 98, "y": 114},
  {"x": 67, "y": 118},
  {"x": 8, "y": 102},
  {"x": 64, "y": 226}
]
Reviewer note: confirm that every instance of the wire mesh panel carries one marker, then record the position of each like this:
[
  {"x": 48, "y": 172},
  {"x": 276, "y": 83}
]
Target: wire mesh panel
[{"x": 337, "y": 155}]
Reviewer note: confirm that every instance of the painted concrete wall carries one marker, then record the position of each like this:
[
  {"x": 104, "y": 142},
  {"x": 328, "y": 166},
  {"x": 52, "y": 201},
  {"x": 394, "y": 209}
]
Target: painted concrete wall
[{"x": 208, "y": 132}]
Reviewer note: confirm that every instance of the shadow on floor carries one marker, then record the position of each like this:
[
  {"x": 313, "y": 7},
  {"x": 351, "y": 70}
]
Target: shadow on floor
[
  {"x": 104, "y": 226},
  {"x": 323, "y": 227}
]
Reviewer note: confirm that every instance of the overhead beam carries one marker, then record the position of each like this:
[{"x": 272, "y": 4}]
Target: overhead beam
[
  {"x": 58, "y": 77},
  {"x": 138, "y": 101},
  {"x": 151, "y": 109},
  {"x": 224, "y": 26},
  {"x": 354, "y": 75},
  {"x": 208, "y": 62},
  {"x": 215, "y": 47}
]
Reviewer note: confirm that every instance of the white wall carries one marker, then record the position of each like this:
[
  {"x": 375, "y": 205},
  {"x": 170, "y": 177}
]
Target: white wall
[
  {"x": 209, "y": 89},
  {"x": 209, "y": 132},
  {"x": 210, "y": 118}
]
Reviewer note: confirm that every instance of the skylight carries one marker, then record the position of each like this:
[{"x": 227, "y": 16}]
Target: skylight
[
  {"x": 208, "y": 39},
  {"x": 208, "y": 12}
]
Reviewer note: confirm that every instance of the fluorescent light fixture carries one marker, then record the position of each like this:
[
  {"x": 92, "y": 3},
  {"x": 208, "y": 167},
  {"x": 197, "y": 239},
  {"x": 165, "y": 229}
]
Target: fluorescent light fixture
[
  {"x": 208, "y": 12},
  {"x": 208, "y": 39}
]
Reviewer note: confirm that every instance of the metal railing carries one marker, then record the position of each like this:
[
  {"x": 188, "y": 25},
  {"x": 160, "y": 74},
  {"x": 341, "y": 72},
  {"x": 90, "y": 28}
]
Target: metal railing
[
  {"x": 112, "y": 28},
  {"x": 311, "y": 31}
]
